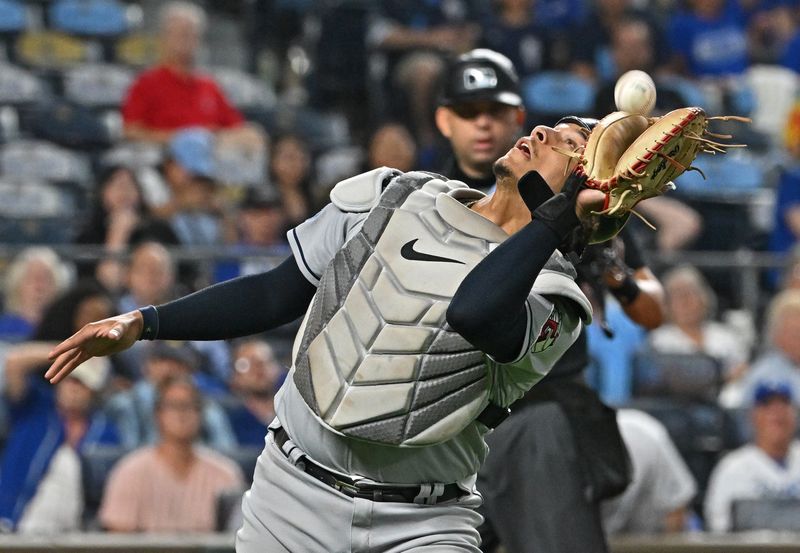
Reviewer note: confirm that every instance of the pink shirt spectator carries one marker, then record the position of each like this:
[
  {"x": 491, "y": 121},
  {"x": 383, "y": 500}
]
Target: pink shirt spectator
[{"x": 144, "y": 494}]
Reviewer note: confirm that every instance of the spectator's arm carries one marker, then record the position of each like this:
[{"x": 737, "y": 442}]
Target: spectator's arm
[
  {"x": 137, "y": 131},
  {"x": 20, "y": 361},
  {"x": 678, "y": 224},
  {"x": 648, "y": 307}
]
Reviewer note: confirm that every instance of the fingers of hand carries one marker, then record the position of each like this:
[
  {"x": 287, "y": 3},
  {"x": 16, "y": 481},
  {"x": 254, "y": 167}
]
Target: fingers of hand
[{"x": 65, "y": 364}]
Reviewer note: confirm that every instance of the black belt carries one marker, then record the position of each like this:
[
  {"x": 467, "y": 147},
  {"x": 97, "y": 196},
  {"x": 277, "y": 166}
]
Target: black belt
[{"x": 373, "y": 491}]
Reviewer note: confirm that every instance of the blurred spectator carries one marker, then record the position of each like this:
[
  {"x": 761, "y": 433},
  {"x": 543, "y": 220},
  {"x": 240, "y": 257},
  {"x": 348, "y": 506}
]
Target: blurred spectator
[
  {"x": 174, "y": 485},
  {"x": 151, "y": 281},
  {"x": 132, "y": 409},
  {"x": 691, "y": 329},
  {"x": 514, "y": 30},
  {"x": 709, "y": 39},
  {"x": 415, "y": 35},
  {"x": 118, "y": 208},
  {"x": 40, "y": 474},
  {"x": 260, "y": 224},
  {"x": 632, "y": 46},
  {"x": 290, "y": 173},
  {"x": 767, "y": 468},
  {"x": 32, "y": 281},
  {"x": 190, "y": 174},
  {"x": 174, "y": 95},
  {"x": 786, "y": 230},
  {"x": 255, "y": 379},
  {"x": 593, "y": 42},
  {"x": 781, "y": 360},
  {"x": 392, "y": 145},
  {"x": 657, "y": 499},
  {"x": 790, "y": 52},
  {"x": 771, "y": 26},
  {"x": 480, "y": 113}
]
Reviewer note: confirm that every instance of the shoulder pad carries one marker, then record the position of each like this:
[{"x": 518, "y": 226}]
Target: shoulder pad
[
  {"x": 361, "y": 193},
  {"x": 556, "y": 283}
]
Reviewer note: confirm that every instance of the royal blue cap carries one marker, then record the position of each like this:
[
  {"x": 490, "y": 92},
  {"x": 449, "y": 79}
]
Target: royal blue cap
[{"x": 766, "y": 390}]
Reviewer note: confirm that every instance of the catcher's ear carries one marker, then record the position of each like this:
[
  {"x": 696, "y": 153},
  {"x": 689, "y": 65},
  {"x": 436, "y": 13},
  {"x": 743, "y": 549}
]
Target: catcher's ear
[
  {"x": 534, "y": 190},
  {"x": 442, "y": 117}
]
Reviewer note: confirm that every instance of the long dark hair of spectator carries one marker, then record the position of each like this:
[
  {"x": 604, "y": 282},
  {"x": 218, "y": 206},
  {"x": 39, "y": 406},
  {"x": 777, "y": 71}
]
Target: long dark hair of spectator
[
  {"x": 94, "y": 232},
  {"x": 58, "y": 322}
]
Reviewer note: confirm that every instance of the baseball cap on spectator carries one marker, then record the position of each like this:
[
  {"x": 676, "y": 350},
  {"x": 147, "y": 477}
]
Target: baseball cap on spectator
[
  {"x": 193, "y": 149},
  {"x": 766, "y": 390},
  {"x": 92, "y": 373},
  {"x": 481, "y": 75}
]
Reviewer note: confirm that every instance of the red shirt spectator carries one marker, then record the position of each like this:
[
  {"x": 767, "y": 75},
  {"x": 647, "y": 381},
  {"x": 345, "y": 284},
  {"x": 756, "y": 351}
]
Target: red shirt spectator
[{"x": 165, "y": 99}]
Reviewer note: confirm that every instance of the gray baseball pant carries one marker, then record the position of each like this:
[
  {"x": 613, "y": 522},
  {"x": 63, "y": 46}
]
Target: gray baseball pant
[{"x": 287, "y": 510}]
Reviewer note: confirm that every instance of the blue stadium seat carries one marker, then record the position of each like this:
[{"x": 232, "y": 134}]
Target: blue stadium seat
[
  {"x": 728, "y": 176},
  {"x": 90, "y": 18},
  {"x": 70, "y": 125},
  {"x": 691, "y": 93},
  {"x": 13, "y": 16},
  {"x": 558, "y": 93},
  {"x": 33, "y": 212}
]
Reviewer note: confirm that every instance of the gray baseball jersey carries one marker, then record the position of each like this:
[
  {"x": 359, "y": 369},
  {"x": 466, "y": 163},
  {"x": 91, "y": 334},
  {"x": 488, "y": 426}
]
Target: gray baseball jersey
[{"x": 376, "y": 366}]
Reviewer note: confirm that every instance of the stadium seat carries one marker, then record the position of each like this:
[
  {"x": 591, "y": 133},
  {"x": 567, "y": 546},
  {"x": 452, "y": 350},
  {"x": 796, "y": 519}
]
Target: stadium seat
[
  {"x": 782, "y": 514},
  {"x": 97, "y": 85},
  {"x": 41, "y": 160},
  {"x": 50, "y": 50},
  {"x": 322, "y": 130},
  {"x": 70, "y": 125},
  {"x": 136, "y": 50},
  {"x": 244, "y": 91},
  {"x": 89, "y": 18},
  {"x": 687, "y": 89},
  {"x": 238, "y": 166},
  {"x": 34, "y": 212},
  {"x": 133, "y": 154},
  {"x": 727, "y": 176},
  {"x": 13, "y": 17},
  {"x": 554, "y": 93},
  {"x": 676, "y": 375},
  {"x": 96, "y": 465},
  {"x": 20, "y": 87}
]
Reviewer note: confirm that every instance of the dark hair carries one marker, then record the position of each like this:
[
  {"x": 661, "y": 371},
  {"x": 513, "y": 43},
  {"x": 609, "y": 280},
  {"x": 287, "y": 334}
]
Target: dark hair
[
  {"x": 94, "y": 232},
  {"x": 177, "y": 381},
  {"x": 59, "y": 319}
]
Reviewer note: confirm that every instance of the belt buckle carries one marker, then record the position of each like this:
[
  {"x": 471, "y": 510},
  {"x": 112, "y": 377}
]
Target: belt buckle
[{"x": 346, "y": 487}]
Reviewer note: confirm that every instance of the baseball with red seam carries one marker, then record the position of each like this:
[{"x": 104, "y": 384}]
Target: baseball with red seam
[{"x": 635, "y": 92}]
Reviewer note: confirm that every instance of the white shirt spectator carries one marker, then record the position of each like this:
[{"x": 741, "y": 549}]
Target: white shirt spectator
[
  {"x": 749, "y": 473},
  {"x": 719, "y": 341},
  {"x": 661, "y": 480}
]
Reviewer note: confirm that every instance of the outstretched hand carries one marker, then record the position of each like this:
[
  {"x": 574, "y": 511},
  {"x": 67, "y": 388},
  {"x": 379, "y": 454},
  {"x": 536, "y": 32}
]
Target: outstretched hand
[{"x": 95, "y": 339}]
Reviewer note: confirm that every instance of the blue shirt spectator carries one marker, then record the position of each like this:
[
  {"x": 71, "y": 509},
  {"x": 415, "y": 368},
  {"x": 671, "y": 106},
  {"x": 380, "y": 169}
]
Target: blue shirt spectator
[{"x": 710, "y": 39}]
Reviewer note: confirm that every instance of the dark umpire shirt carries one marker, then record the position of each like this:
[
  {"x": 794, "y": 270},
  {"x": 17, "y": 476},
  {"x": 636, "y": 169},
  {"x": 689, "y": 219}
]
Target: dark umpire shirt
[{"x": 453, "y": 171}]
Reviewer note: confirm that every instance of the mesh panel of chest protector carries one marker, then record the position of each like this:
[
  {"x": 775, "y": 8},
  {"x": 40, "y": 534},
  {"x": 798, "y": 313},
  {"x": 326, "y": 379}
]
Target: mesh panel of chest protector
[
  {"x": 427, "y": 416},
  {"x": 339, "y": 276},
  {"x": 433, "y": 366}
]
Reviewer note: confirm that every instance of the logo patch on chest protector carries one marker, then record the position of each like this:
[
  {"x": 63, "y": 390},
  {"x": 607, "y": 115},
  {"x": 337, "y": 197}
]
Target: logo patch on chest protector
[{"x": 549, "y": 334}]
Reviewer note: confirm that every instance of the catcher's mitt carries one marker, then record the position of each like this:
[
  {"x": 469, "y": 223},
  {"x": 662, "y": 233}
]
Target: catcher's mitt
[{"x": 631, "y": 158}]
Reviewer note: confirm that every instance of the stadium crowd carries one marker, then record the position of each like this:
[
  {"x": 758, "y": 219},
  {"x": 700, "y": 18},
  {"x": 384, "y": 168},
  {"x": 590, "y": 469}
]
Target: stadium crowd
[{"x": 133, "y": 172}]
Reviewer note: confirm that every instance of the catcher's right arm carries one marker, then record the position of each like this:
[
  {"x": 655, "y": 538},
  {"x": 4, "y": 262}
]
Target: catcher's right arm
[{"x": 631, "y": 158}]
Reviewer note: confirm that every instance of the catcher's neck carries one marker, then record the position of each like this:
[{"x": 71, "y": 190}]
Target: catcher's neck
[{"x": 504, "y": 208}]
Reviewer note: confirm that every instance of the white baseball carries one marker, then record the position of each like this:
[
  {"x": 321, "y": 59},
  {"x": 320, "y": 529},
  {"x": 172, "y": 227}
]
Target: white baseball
[{"x": 635, "y": 92}]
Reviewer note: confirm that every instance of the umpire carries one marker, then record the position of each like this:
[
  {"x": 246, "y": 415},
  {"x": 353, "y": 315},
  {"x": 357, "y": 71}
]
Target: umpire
[
  {"x": 560, "y": 453},
  {"x": 480, "y": 113}
]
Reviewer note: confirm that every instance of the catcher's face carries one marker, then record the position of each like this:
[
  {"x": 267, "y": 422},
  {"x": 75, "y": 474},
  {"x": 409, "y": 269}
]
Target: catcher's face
[{"x": 539, "y": 151}]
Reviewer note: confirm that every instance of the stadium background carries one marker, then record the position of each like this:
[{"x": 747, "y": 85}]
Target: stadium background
[{"x": 310, "y": 69}]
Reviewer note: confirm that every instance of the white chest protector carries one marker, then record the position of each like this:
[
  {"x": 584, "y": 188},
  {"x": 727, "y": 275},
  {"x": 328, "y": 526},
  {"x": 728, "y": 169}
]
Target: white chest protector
[{"x": 376, "y": 359}]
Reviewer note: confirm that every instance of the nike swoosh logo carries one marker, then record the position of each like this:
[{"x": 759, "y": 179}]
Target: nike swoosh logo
[{"x": 408, "y": 252}]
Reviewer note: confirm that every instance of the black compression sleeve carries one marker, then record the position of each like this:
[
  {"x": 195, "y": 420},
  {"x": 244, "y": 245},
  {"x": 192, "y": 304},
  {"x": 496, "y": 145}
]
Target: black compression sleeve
[
  {"x": 238, "y": 307},
  {"x": 488, "y": 309}
]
